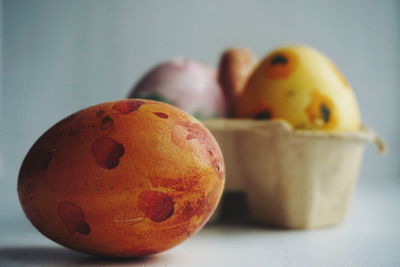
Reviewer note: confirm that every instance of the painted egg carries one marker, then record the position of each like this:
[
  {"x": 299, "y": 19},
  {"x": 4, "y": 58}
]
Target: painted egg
[
  {"x": 186, "y": 84},
  {"x": 302, "y": 86},
  {"x": 122, "y": 179}
]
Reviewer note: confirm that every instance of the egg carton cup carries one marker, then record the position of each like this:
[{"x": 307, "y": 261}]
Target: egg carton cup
[{"x": 292, "y": 178}]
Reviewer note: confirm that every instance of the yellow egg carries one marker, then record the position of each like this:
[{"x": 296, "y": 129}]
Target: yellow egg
[{"x": 302, "y": 86}]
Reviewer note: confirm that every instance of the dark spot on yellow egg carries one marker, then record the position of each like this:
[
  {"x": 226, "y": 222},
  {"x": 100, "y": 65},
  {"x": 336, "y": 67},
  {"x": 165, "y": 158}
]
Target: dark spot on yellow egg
[
  {"x": 325, "y": 112},
  {"x": 280, "y": 64},
  {"x": 321, "y": 111},
  {"x": 279, "y": 59}
]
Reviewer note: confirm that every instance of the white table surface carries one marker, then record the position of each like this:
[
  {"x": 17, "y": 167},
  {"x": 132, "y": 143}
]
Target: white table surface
[{"x": 368, "y": 237}]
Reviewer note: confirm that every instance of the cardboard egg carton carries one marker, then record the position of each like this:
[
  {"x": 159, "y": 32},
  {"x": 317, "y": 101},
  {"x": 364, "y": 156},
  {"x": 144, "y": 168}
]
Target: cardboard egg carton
[{"x": 292, "y": 178}]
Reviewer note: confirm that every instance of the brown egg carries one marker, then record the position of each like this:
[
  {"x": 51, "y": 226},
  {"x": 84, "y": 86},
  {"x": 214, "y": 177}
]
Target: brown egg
[{"x": 122, "y": 179}]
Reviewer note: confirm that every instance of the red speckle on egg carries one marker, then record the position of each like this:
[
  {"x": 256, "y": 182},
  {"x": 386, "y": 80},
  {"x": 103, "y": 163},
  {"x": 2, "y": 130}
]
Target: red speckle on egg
[
  {"x": 106, "y": 123},
  {"x": 187, "y": 211},
  {"x": 107, "y": 152},
  {"x": 161, "y": 115},
  {"x": 157, "y": 206},
  {"x": 209, "y": 147},
  {"x": 73, "y": 218},
  {"x": 191, "y": 209},
  {"x": 127, "y": 106},
  {"x": 183, "y": 184},
  {"x": 100, "y": 113}
]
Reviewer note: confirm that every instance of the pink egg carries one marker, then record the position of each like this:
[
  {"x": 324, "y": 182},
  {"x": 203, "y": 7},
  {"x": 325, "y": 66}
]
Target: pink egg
[{"x": 186, "y": 84}]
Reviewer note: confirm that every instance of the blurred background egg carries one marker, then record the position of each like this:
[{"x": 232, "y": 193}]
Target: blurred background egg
[
  {"x": 184, "y": 83},
  {"x": 122, "y": 179},
  {"x": 302, "y": 86}
]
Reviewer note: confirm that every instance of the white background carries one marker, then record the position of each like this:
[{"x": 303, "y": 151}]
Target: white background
[{"x": 61, "y": 56}]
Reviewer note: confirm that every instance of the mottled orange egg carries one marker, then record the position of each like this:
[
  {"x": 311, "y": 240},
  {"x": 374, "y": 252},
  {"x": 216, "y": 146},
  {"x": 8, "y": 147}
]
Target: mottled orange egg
[{"x": 122, "y": 179}]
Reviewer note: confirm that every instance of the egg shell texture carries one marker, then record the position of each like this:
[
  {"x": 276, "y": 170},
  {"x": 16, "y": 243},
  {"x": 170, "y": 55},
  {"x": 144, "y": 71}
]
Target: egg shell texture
[{"x": 122, "y": 179}]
